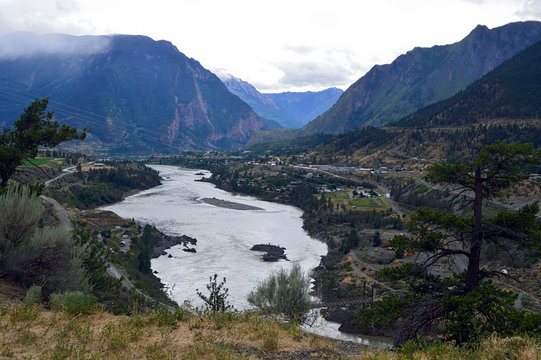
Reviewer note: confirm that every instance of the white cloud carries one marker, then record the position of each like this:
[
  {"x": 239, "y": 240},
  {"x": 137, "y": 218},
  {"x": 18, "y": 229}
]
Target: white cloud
[{"x": 279, "y": 44}]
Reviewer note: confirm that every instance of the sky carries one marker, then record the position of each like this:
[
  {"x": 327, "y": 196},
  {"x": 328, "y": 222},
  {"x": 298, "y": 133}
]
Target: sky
[{"x": 276, "y": 45}]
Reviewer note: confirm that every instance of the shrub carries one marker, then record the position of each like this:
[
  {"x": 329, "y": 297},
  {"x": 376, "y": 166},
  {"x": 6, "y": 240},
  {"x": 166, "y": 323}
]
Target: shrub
[
  {"x": 284, "y": 293},
  {"x": 30, "y": 254},
  {"x": 73, "y": 302},
  {"x": 217, "y": 299},
  {"x": 33, "y": 295}
]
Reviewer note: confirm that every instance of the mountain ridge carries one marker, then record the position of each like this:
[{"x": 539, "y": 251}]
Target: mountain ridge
[
  {"x": 502, "y": 105},
  {"x": 143, "y": 95},
  {"x": 423, "y": 76},
  {"x": 288, "y": 109}
]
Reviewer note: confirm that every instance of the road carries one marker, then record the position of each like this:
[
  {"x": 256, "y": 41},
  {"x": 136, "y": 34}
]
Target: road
[
  {"x": 65, "y": 223},
  {"x": 361, "y": 273},
  {"x": 65, "y": 216},
  {"x": 66, "y": 171},
  {"x": 126, "y": 283}
]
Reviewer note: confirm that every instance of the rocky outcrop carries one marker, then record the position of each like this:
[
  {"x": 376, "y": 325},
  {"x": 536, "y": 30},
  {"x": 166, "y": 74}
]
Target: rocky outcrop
[
  {"x": 273, "y": 252},
  {"x": 168, "y": 241}
]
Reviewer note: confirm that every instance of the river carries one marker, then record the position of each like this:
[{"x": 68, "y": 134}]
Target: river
[{"x": 224, "y": 238}]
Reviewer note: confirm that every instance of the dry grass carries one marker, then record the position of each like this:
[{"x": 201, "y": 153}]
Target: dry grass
[{"x": 32, "y": 332}]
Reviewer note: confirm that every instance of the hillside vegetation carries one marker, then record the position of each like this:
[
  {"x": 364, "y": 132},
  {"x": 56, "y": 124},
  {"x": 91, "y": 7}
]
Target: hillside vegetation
[
  {"x": 33, "y": 332},
  {"x": 423, "y": 76}
]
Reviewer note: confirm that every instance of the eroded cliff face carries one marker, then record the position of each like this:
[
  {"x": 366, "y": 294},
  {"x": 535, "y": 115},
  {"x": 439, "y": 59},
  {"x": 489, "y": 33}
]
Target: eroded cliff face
[
  {"x": 136, "y": 94},
  {"x": 423, "y": 76}
]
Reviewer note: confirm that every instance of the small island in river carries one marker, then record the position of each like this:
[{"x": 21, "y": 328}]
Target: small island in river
[
  {"x": 229, "y": 204},
  {"x": 273, "y": 252}
]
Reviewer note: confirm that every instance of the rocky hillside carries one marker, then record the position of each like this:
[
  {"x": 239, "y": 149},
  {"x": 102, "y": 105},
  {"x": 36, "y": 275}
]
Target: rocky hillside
[
  {"x": 136, "y": 94},
  {"x": 423, "y": 76},
  {"x": 288, "y": 109},
  {"x": 502, "y": 105},
  {"x": 511, "y": 91}
]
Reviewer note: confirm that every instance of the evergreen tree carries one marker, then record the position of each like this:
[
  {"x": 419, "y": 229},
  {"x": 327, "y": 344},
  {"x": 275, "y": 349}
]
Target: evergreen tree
[
  {"x": 34, "y": 128},
  {"x": 435, "y": 304}
]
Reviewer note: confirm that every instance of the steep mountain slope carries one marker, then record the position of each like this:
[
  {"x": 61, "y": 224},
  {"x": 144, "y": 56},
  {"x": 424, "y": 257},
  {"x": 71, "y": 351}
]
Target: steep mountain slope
[
  {"x": 271, "y": 113},
  {"x": 502, "y": 105},
  {"x": 511, "y": 91},
  {"x": 135, "y": 93},
  {"x": 423, "y": 76},
  {"x": 289, "y": 109}
]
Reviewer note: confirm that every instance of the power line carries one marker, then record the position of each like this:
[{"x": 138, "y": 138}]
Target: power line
[{"x": 87, "y": 116}]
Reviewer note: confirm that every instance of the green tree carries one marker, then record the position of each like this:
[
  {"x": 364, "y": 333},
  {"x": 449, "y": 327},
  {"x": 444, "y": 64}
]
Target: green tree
[
  {"x": 34, "y": 128},
  {"x": 456, "y": 237},
  {"x": 485, "y": 177},
  {"x": 216, "y": 301}
]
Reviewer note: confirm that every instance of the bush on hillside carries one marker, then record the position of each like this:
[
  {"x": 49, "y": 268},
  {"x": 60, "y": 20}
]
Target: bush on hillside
[
  {"x": 33, "y": 295},
  {"x": 284, "y": 293},
  {"x": 32, "y": 255},
  {"x": 73, "y": 302}
]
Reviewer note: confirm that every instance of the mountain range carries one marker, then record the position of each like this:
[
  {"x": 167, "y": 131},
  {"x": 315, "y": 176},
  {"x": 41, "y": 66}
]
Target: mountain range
[
  {"x": 136, "y": 94},
  {"x": 283, "y": 110},
  {"x": 139, "y": 95},
  {"x": 423, "y": 76},
  {"x": 502, "y": 105}
]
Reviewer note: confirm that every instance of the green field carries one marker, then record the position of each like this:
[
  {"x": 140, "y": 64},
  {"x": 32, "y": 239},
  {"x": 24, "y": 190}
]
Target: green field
[
  {"x": 41, "y": 161},
  {"x": 373, "y": 203}
]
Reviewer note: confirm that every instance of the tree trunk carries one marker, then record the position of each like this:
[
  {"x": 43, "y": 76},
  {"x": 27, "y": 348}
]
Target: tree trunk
[{"x": 472, "y": 277}]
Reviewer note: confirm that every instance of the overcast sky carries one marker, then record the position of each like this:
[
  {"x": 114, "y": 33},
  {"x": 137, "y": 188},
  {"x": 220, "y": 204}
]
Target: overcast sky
[{"x": 276, "y": 45}]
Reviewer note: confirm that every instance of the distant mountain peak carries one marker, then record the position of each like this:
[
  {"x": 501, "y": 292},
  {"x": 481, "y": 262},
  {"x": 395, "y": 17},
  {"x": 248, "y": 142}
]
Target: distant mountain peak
[{"x": 288, "y": 109}]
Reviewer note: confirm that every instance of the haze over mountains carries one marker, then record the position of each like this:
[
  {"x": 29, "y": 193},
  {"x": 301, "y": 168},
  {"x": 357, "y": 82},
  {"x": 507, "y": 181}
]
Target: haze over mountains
[
  {"x": 287, "y": 109},
  {"x": 423, "y": 76},
  {"x": 139, "y": 95},
  {"x": 136, "y": 94}
]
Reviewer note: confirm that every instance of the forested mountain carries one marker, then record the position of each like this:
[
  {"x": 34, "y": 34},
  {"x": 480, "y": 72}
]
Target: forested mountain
[
  {"x": 423, "y": 76},
  {"x": 502, "y": 105},
  {"x": 511, "y": 91},
  {"x": 288, "y": 109},
  {"x": 136, "y": 94}
]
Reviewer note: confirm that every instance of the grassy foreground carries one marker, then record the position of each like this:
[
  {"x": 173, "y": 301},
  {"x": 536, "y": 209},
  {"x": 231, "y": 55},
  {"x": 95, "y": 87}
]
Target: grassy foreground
[{"x": 32, "y": 332}]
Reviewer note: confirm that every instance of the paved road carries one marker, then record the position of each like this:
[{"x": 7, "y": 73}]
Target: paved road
[
  {"x": 126, "y": 283},
  {"x": 66, "y": 171},
  {"x": 65, "y": 216}
]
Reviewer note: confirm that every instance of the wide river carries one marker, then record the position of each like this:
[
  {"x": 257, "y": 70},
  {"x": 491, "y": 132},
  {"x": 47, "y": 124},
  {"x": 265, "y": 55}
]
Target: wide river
[{"x": 224, "y": 238}]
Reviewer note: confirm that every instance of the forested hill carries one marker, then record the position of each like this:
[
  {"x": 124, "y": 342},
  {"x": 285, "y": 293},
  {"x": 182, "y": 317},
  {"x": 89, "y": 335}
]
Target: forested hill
[
  {"x": 136, "y": 94},
  {"x": 423, "y": 76},
  {"x": 512, "y": 90},
  {"x": 503, "y": 105}
]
